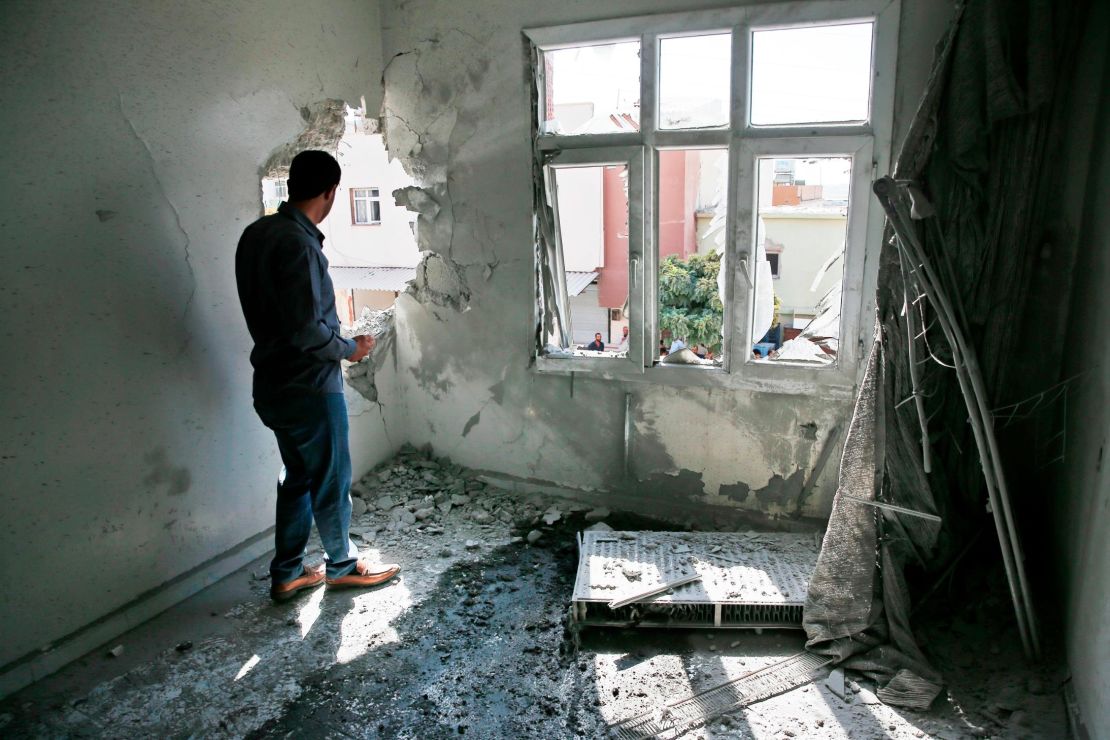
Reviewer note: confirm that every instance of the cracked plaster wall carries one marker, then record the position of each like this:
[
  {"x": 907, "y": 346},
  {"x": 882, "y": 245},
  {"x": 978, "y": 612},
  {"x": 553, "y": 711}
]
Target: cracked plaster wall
[
  {"x": 134, "y": 136},
  {"x": 456, "y": 112}
]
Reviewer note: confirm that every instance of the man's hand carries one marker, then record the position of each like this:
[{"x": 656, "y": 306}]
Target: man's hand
[{"x": 363, "y": 344}]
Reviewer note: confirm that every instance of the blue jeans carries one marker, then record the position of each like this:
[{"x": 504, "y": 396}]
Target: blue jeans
[{"x": 315, "y": 483}]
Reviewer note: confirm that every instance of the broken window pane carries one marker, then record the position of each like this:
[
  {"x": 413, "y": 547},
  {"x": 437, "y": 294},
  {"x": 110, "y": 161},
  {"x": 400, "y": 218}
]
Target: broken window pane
[
  {"x": 693, "y": 198},
  {"x": 819, "y": 74},
  {"x": 803, "y": 216},
  {"x": 694, "y": 81},
  {"x": 593, "y": 231},
  {"x": 591, "y": 89}
]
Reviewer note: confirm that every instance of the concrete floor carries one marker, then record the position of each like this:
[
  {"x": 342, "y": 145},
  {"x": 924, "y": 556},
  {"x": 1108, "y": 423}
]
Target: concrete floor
[{"x": 472, "y": 642}]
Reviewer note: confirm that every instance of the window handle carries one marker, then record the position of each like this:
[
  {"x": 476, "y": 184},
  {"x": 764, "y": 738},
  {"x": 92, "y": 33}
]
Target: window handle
[{"x": 747, "y": 273}]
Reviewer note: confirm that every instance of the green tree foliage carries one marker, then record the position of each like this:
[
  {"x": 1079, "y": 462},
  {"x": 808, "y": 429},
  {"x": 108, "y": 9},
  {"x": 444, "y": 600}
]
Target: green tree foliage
[{"x": 689, "y": 304}]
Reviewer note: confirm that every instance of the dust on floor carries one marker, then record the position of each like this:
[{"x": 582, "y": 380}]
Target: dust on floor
[{"x": 471, "y": 641}]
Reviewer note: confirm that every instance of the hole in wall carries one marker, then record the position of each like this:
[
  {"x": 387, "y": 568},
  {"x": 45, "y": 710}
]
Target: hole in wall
[{"x": 370, "y": 241}]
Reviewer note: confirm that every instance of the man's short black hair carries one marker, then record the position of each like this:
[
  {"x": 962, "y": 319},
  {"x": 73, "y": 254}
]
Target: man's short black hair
[{"x": 311, "y": 173}]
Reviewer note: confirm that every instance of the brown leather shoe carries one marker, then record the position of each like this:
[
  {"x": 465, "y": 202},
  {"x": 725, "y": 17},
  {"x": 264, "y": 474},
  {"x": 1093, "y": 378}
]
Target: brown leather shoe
[
  {"x": 366, "y": 574},
  {"x": 312, "y": 576}
]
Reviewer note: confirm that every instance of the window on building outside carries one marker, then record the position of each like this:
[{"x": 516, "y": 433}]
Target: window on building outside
[
  {"x": 679, "y": 161},
  {"x": 282, "y": 190},
  {"x": 773, "y": 260},
  {"x": 366, "y": 207}
]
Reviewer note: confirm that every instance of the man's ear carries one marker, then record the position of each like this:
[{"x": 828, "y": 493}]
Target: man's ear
[{"x": 331, "y": 193}]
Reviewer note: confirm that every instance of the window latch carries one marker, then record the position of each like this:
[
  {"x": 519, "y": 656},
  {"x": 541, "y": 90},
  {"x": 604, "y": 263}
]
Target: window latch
[{"x": 747, "y": 273}]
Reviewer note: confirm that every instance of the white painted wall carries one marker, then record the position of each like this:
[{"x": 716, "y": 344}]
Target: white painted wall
[
  {"x": 391, "y": 243},
  {"x": 808, "y": 241},
  {"x": 129, "y": 448},
  {"x": 581, "y": 217}
]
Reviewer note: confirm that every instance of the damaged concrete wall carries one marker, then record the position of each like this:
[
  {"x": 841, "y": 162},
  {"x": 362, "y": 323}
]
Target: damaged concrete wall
[
  {"x": 134, "y": 137},
  {"x": 456, "y": 111},
  {"x": 1079, "y": 488}
]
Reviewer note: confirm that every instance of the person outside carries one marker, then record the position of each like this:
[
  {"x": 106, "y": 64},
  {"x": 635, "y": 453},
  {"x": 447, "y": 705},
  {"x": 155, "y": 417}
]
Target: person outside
[
  {"x": 288, "y": 302},
  {"x": 623, "y": 346},
  {"x": 676, "y": 345},
  {"x": 597, "y": 345}
]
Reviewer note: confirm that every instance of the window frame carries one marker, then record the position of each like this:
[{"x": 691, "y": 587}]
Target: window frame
[
  {"x": 776, "y": 268},
  {"x": 868, "y": 142},
  {"x": 370, "y": 199},
  {"x": 632, "y": 158}
]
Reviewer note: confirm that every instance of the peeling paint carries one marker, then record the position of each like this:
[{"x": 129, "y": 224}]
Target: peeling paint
[
  {"x": 442, "y": 281},
  {"x": 781, "y": 492}
]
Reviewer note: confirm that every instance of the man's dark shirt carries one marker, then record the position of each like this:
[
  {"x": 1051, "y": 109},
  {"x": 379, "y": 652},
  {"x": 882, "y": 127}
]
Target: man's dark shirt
[
  {"x": 596, "y": 346},
  {"x": 289, "y": 304}
]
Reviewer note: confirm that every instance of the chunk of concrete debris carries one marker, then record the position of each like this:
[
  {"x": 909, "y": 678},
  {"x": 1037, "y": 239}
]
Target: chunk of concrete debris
[
  {"x": 366, "y": 533},
  {"x": 631, "y": 571},
  {"x": 473, "y": 544},
  {"x": 596, "y": 515},
  {"x": 385, "y": 503},
  {"x": 358, "y": 506},
  {"x": 599, "y": 527},
  {"x": 835, "y": 684},
  {"x": 867, "y": 696},
  {"x": 116, "y": 651},
  {"x": 534, "y": 536},
  {"x": 551, "y": 516},
  {"x": 481, "y": 516}
]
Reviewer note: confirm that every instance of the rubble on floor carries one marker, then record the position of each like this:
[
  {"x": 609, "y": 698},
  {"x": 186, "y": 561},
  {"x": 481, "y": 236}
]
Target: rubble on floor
[
  {"x": 418, "y": 492},
  {"x": 471, "y": 641}
]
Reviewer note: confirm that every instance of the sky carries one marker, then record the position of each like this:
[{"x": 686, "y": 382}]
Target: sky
[{"x": 799, "y": 75}]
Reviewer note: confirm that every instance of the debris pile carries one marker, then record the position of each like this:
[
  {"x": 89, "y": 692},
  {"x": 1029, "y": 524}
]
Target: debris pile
[{"x": 417, "y": 492}]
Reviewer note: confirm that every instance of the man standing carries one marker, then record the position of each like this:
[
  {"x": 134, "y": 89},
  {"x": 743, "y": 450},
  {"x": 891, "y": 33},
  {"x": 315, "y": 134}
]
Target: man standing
[
  {"x": 597, "y": 345},
  {"x": 289, "y": 304}
]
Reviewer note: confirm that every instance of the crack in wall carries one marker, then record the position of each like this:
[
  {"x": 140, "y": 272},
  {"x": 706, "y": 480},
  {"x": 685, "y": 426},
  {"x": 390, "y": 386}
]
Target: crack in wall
[{"x": 187, "y": 247}]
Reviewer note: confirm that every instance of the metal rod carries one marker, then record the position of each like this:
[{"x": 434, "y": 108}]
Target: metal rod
[
  {"x": 985, "y": 425},
  {"x": 653, "y": 591},
  {"x": 915, "y": 377},
  {"x": 1004, "y": 531},
  {"x": 628, "y": 435},
  {"x": 974, "y": 392},
  {"x": 891, "y": 507}
]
